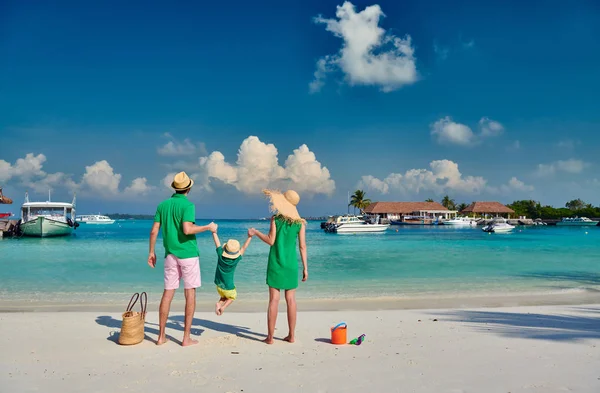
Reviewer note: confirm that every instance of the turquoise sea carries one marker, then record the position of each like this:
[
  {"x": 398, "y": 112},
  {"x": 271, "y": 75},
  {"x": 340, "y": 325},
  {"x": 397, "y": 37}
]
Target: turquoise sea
[{"x": 104, "y": 264}]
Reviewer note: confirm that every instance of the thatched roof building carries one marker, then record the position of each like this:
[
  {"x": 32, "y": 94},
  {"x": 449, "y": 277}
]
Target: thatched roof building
[
  {"x": 493, "y": 208},
  {"x": 4, "y": 199}
]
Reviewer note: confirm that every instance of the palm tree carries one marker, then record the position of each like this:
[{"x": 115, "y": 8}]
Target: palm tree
[
  {"x": 448, "y": 203},
  {"x": 462, "y": 207},
  {"x": 429, "y": 200},
  {"x": 358, "y": 200}
]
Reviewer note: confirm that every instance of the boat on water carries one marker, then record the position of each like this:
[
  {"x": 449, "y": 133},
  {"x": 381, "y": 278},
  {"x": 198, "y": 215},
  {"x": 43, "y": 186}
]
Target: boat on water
[
  {"x": 416, "y": 220},
  {"x": 355, "y": 224},
  {"x": 576, "y": 222},
  {"x": 499, "y": 225},
  {"x": 95, "y": 219},
  {"x": 46, "y": 219},
  {"x": 460, "y": 221}
]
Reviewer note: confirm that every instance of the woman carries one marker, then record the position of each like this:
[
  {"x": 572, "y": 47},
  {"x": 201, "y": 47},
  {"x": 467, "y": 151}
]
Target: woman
[{"x": 282, "y": 270}]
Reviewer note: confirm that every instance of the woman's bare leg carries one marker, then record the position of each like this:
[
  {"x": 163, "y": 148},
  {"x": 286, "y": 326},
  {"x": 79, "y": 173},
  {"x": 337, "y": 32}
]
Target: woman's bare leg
[
  {"x": 272, "y": 314},
  {"x": 290, "y": 299}
]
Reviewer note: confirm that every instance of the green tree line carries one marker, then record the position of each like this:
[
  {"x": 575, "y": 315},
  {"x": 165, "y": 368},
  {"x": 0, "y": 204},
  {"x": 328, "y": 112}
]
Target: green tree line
[{"x": 534, "y": 209}]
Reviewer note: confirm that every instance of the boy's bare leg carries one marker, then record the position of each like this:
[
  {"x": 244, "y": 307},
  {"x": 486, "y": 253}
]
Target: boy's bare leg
[
  {"x": 290, "y": 299},
  {"x": 190, "y": 308},
  {"x": 218, "y": 305},
  {"x": 225, "y": 304},
  {"x": 272, "y": 314},
  {"x": 163, "y": 314}
]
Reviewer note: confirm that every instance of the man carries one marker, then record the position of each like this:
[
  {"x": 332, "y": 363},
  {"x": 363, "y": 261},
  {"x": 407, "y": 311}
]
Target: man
[{"x": 177, "y": 216}]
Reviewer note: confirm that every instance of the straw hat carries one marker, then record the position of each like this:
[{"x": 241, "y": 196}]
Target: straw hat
[
  {"x": 231, "y": 249},
  {"x": 182, "y": 182},
  {"x": 284, "y": 204}
]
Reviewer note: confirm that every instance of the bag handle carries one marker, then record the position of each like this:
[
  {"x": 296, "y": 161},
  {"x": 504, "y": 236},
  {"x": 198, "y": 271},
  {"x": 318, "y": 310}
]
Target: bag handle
[
  {"x": 144, "y": 302},
  {"x": 132, "y": 302},
  {"x": 339, "y": 325}
]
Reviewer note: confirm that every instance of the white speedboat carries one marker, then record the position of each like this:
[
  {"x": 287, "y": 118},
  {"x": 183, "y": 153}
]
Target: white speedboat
[
  {"x": 498, "y": 226},
  {"x": 94, "y": 219},
  {"x": 355, "y": 224},
  {"x": 45, "y": 219},
  {"x": 576, "y": 222},
  {"x": 461, "y": 221}
]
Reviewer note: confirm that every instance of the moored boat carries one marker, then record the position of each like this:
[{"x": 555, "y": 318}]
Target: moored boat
[
  {"x": 461, "y": 221},
  {"x": 47, "y": 219},
  {"x": 355, "y": 224},
  {"x": 94, "y": 219},
  {"x": 499, "y": 225},
  {"x": 576, "y": 222}
]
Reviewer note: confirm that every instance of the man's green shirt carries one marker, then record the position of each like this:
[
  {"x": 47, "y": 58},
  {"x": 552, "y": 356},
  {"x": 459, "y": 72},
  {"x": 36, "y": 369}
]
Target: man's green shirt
[{"x": 171, "y": 214}]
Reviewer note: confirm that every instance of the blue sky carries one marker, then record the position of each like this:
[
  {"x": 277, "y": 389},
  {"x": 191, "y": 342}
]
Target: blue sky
[{"x": 487, "y": 101}]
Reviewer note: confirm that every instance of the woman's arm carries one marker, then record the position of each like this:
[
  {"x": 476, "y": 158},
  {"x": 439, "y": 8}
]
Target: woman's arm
[
  {"x": 303, "y": 254},
  {"x": 270, "y": 238}
]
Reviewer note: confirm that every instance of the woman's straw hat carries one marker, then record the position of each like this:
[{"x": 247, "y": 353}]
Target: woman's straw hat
[
  {"x": 284, "y": 204},
  {"x": 231, "y": 249},
  {"x": 182, "y": 182}
]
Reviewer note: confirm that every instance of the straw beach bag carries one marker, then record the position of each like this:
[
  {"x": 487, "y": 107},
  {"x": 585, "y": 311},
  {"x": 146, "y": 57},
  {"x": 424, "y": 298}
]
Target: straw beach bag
[{"x": 132, "y": 327}]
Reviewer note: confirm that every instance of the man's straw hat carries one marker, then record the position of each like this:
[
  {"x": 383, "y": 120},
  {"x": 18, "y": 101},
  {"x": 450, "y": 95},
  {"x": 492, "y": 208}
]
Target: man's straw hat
[
  {"x": 182, "y": 182},
  {"x": 284, "y": 204},
  {"x": 231, "y": 249}
]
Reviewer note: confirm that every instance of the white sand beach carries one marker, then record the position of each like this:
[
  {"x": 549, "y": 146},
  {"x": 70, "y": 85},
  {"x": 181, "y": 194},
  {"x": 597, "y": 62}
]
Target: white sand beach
[{"x": 521, "y": 349}]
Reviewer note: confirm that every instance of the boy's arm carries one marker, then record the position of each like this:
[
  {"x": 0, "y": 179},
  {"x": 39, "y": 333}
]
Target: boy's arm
[
  {"x": 246, "y": 244},
  {"x": 216, "y": 239}
]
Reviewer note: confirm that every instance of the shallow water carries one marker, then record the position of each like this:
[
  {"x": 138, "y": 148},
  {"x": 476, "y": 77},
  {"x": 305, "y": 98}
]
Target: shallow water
[{"x": 106, "y": 263}]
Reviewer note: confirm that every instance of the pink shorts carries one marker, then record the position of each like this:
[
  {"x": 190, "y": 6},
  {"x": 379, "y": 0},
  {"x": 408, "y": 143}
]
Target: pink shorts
[{"x": 176, "y": 269}]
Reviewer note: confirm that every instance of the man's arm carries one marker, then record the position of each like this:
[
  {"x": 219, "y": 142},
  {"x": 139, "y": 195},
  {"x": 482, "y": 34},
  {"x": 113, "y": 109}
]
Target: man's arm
[
  {"x": 246, "y": 244},
  {"x": 192, "y": 229},
  {"x": 153, "y": 236}
]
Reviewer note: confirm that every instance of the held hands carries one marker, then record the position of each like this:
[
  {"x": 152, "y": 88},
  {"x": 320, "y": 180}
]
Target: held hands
[
  {"x": 152, "y": 260},
  {"x": 251, "y": 232},
  {"x": 213, "y": 227}
]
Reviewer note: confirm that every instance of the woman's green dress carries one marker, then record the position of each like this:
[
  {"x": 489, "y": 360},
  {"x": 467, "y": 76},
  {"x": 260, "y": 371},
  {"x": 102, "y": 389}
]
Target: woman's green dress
[{"x": 282, "y": 270}]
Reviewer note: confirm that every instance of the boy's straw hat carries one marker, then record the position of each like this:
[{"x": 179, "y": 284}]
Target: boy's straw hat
[
  {"x": 182, "y": 182},
  {"x": 284, "y": 204},
  {"x": 231, "y": 249}
]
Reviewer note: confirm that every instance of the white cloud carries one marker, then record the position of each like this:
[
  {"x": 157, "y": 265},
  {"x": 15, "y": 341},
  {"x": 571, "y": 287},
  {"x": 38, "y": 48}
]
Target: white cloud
[
  {"x": 441, "y": 51},
  {"x": 571, "y": 166},
  {"x": 180, "y": 148},
  {"x": 446, "y": 131},
  {"x": 469, "y": 44},
  {"x": 138, "y": 186},
  {"x": 443, "y": 176},
  {"x": 369, "y": 55},
  {"x": 101, "y": 178},
  {"x": 568, "y": 144},
  {"x": 489, "y": 127},
  {"x": 24, "y": 168},
  {"x": 515, "y": 184},
  {"x": 257, "y": 167},
  {"x": 98, "y": 178},
  {"x": 516, "y": 145}
]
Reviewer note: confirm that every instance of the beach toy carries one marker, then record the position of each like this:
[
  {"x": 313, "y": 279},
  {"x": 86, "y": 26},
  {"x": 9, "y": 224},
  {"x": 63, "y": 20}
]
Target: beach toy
[
  {"x": 338, "y": 333},
  {"x": 357, "y": 341}
]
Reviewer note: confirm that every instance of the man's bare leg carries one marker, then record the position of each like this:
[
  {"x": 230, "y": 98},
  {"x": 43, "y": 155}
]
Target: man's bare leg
[
  {"x": 272, "y": 314},
  {"x": 190, "y": 309},
  {"x": 163, "y": 314},
  {"x": 218, "y": 305},
  {"x": 290, "y": 299}
]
